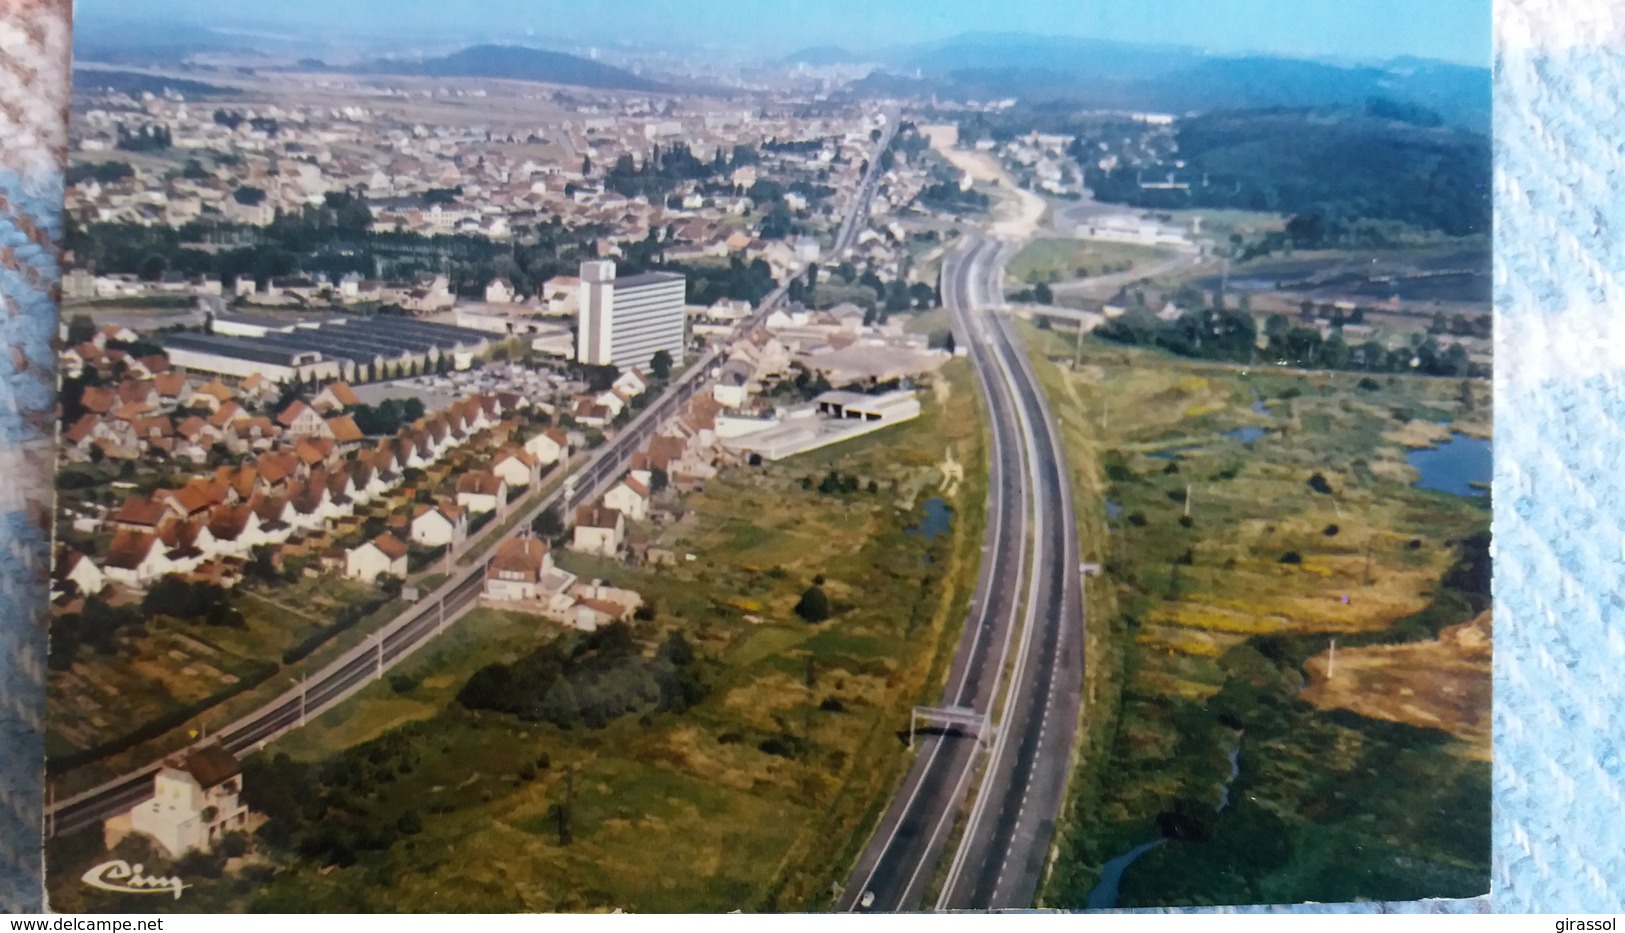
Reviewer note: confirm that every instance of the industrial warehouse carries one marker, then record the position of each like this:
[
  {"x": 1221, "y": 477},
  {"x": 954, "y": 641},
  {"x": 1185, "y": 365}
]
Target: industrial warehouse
[{"x": 325, "y": 348}]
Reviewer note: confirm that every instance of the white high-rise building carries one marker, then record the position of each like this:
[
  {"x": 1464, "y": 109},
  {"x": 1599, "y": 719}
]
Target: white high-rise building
[{"x": 626, "y": 321}]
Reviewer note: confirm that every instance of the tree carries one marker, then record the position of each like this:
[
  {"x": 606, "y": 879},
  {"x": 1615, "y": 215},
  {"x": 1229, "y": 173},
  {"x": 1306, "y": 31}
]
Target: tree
[
  {"x": 81, "y": 329},
  {"x": 948, "y": 343},
  {"x": 660, "y": 365},
  {"x": 559, "y": 705},
  {"x": 814, "y": 605},
  {"x": 658, "y": 479},
  {"x": 1042, "y": 294},
  {"x": 548, "y": 524},
  {"x": 389, "y": 584}
]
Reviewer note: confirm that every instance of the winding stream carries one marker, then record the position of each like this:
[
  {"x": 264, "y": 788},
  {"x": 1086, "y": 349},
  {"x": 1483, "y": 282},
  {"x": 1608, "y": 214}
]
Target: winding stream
[{"x": 1104, "y": 894}]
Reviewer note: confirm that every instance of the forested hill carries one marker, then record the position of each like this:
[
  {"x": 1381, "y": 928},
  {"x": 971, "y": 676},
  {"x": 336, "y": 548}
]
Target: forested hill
[
  {"x": 518, "y": 63},
  {"x": 1385, "y": 162}
]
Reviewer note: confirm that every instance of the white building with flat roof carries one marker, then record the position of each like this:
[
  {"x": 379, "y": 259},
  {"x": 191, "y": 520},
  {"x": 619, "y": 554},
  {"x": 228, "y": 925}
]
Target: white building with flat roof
[
  {"x": 831, "y": 418},
  {"x": 625, "y": 321}
]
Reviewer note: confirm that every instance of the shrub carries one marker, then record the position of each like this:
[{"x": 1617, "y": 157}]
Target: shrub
[
  {"x": 1330, "y": 531},
  {"x": 1185, "y": 521},
  {"x": 1319, "y": 484},
  {"x": 410, "y": 824},
  {"x": 1137, "y": 519},
  {"x": 814, "y": 604},
  {"x": 1291, "y": 557},
  {"x": 832, "y": 705}
]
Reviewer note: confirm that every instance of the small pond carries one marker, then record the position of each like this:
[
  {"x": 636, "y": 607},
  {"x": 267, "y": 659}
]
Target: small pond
[
  {"x": 1460, "y": 466},
  {"x": 1246, "y": 435},
  {"x": 938, "y": 515}
]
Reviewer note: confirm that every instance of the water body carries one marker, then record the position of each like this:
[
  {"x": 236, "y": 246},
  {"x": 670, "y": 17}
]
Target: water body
[
  {"x": 1259, "y": 408},
  {"x": 1455, "y": 466},
  {"x": 1252, "y": 433},
  {"x": 1104, "y": 894},
  {"x": 1113, "y": 509},
  {"x": 1172, "y": 453},
  {"x": 1246, "y": 435},
  {"x": 938, "y": 516}
]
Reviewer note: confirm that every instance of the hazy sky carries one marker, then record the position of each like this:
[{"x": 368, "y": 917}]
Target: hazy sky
[{"x": 1453, "y": 30}]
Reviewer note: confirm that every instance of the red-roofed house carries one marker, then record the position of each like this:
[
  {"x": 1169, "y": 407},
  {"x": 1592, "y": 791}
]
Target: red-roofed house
[
  {"x": 435, "y": 525},
  {"x": 383, "y": 554},
  {"x": 548, "y": 446},
  {"x": 598, "y": 531},
  {"x": 480, "y": 492},
  {"x": 630, "y": 498},
  {"x": 517, "y": 569},
  {"x": 301, "y": 420},
  {"x": 517, "y": 467},
  {"x": 335, "y": 397}
]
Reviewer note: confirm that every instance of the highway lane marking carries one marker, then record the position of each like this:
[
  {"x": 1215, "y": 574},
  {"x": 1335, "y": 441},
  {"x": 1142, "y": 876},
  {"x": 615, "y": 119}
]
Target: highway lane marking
[
  {"x": 1036, "y": 548},
  {"x": 958, "y": 694}
]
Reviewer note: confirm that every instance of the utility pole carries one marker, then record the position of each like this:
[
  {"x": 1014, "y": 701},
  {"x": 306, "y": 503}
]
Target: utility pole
[
  {"x": 566, "y": 834},
  {"x": 1187, "y": 500},
  {"x": 1331, "y": 660}
]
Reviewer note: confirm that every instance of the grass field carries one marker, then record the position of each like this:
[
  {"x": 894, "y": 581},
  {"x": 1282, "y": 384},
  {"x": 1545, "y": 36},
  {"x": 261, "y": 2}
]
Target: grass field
[
  {"x": 218, "y": 673},
  {"x": 674, "y": 811},
  {"x": 1219, "y": 615},
  {"x": 1051, "y": 260}
]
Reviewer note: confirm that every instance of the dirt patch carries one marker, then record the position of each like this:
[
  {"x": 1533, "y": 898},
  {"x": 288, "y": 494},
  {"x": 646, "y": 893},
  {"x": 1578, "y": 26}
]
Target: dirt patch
[
  {"x": 1016, "y": 220},
  {"x": 1442, "y": 684}
]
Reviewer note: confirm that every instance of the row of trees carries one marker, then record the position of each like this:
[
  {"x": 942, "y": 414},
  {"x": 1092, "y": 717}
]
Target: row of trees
[
  {"x": 387, "y": 416},
  {"x": 1232, "y": 335},
  {"x": 949, "y": 198},
  {"x": 154, "y": 137}
]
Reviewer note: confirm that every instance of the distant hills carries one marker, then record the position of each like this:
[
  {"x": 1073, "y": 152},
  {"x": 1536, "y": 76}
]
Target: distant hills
[
  {"x": 145, "y": 43},
  {"x": 1383, "y": 162},
  {"x": 1177, "y": 79},
  {"x": 823, "y": 56},
  {"x": 517, "y": 63}
]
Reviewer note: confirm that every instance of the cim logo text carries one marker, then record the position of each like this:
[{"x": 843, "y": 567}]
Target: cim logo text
[{"x": 119, "y": 875}]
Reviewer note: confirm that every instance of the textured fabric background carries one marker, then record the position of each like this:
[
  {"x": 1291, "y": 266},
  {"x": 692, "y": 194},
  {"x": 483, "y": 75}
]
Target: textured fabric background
[
  {"x": 33, "y": 82},
  {"x": 1560, "y": 450}
]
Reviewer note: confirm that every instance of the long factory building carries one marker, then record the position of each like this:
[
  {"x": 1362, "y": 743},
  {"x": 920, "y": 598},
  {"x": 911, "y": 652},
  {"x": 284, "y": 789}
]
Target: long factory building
[{"x": 353, "y": 349}]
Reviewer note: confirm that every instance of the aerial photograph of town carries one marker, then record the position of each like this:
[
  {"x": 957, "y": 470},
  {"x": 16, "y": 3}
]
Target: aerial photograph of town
[{"x": 807, "y": 456}]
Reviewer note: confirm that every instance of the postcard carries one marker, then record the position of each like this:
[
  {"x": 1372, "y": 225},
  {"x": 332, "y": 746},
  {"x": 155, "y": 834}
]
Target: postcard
[{"x": 518, "y": 457}]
